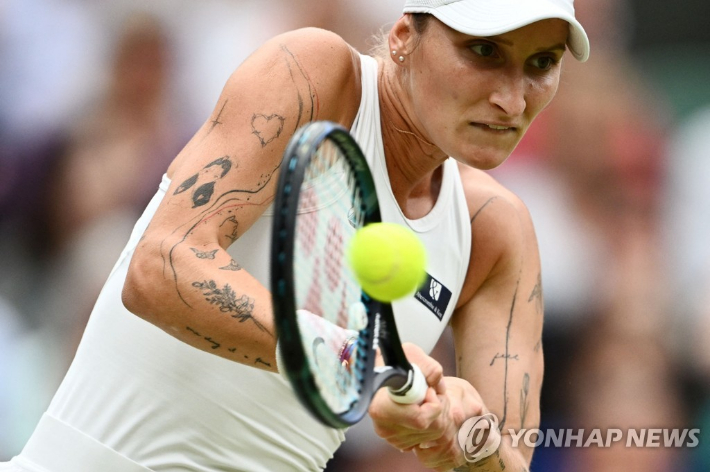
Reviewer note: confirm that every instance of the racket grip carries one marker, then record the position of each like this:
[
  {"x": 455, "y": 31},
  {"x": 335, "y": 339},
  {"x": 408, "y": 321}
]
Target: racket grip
[{"x": 414, "y": 390}]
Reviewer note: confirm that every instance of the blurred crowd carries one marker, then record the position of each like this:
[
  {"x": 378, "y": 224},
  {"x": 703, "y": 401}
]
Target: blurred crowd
[{"x": 96, "y": 98}]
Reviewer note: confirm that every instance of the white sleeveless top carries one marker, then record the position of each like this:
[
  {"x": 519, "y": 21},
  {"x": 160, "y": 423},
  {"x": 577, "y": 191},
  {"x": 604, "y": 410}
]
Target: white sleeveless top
[
  {"x": 137, "y": 399},
  {"x": 445, "y": 230}
]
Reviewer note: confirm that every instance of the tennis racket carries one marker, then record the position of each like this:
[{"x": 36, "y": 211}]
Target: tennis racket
[{"x": 329, "y": 329}]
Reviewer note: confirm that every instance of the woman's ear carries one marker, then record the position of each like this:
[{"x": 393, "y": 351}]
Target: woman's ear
[{"x": 402, "y": 39}]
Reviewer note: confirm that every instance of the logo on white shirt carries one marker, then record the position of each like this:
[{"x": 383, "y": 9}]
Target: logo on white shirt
[
  {"x": 434, "y": 289},
  {"x": 434, "y": 295}
]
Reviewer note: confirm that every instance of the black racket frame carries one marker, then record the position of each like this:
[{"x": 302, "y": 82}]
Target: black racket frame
[{"x": 380, "y": 332}]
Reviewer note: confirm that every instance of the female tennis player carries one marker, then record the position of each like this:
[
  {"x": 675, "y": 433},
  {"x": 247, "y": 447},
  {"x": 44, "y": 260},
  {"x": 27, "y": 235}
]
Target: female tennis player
[{"x": 177, "y": 367}]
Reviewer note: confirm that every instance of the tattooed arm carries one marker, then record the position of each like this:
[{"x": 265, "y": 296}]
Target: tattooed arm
[
  {"x": 497, "y": 329},
  {"x": 181, "y": 277}
]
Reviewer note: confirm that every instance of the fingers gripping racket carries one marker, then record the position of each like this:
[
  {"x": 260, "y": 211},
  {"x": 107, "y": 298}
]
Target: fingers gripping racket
[{"x": 329, "y": 329}]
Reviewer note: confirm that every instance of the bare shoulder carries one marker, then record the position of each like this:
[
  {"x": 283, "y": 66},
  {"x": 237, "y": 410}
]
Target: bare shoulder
[
  {"x": 502, "y": 232},
  {"x": 296, "y": 77},
  {"x": 481, "y": 188},
  {"x": 317, "y": 60}
]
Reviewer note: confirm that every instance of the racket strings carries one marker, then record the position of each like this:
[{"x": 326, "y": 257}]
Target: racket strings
[{"x": 330, "y": 210}]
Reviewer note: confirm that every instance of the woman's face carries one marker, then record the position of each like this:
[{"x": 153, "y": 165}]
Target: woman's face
[{"x": 475, "y": 97}]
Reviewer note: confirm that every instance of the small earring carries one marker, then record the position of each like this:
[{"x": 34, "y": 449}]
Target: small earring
[
  {"x": 394, "y": 53},
  {"x": 401, "y": 58}
]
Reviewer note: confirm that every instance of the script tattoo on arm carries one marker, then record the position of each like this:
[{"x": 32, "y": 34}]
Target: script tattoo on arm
[
  {"x": 507, "y": 357},
  {"x": 213, "y": 344},
  {"x": 216, "y": 345}
]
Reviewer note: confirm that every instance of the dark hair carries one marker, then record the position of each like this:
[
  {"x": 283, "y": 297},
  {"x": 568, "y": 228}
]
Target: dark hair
[
  {"x": 380, "y": 46},
  {"x": 421, "y": 21}
]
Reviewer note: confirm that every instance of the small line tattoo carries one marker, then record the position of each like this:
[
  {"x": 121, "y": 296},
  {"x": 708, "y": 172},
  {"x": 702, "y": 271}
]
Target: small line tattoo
[
  {"x": 473, "y": 219},
  {"x": 304, "y": 87},
  {"x": 216, "y": 121},
  {"x": 482, "y": 207},
  {"x": 507, "y": 341},
  {"x": 193, "y": 331},
  {"x": 214, "y": 343},
  {"x": 524, "y": 403}
]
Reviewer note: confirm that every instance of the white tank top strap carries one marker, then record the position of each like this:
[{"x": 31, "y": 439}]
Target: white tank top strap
[{"x": 445, "y": 230}]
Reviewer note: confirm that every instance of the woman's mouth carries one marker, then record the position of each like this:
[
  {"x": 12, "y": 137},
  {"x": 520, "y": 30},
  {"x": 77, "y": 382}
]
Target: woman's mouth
[{"x": 493, "y": 127}]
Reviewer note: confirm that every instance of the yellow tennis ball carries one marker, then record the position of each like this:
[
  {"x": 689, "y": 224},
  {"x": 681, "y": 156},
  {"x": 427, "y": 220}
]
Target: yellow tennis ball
[{"x": 388, "y": 260}]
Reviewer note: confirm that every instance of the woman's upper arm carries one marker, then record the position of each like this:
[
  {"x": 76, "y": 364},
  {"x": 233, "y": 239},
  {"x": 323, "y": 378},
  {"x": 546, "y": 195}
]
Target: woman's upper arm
[
  {"x": 498, "y": 326},
  {"x": 225, "y": 177},
  {"x": 232, "y": 160}
]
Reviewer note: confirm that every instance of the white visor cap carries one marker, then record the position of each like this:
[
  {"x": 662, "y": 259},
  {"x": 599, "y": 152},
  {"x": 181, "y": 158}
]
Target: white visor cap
[{"x": 493, "y": 17}]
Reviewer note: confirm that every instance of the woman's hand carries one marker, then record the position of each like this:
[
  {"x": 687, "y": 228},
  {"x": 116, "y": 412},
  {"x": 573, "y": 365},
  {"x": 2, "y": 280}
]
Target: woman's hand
[
  {"x": 431, "y": 428},
  {"x": 461, "y": 401}
]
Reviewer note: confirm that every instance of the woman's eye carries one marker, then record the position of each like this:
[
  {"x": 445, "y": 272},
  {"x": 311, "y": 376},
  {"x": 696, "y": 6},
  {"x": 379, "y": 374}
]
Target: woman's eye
[
  {"x": 545, "y": 62},
  {"x": 484, "y": 50}
]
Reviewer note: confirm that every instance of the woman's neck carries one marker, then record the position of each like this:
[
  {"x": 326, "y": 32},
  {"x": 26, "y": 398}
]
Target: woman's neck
[{"x": 413, "y": 162}]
